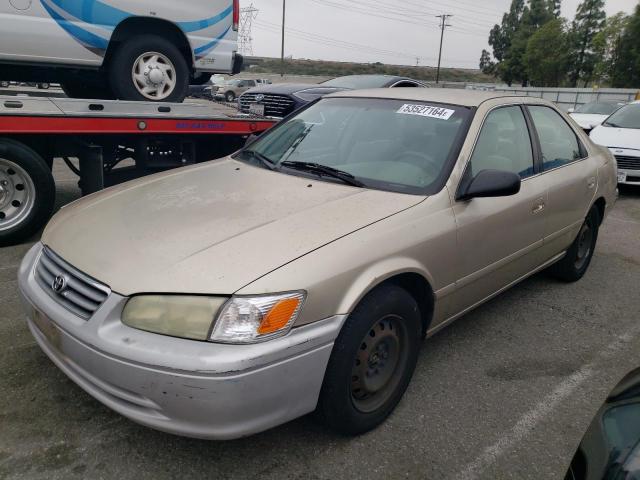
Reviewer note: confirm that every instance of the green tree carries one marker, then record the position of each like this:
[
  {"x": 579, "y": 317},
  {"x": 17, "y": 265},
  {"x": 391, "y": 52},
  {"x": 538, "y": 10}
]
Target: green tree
[
  {"x": 546, "y": 55},
  {"x": 606, "y": 45},
  {"x": 509, "y": 39},
  {"x": 487, "y": 65},
  {"x": 589, "y": 21},
  {"x": 626, "y": 70}
]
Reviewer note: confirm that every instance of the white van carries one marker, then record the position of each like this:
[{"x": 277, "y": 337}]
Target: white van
[{"x": 126, "y": 49}]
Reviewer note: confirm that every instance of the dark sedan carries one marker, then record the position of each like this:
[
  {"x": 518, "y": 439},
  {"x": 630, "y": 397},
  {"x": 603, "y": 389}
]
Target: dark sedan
[{"x": 281, "y": 99}]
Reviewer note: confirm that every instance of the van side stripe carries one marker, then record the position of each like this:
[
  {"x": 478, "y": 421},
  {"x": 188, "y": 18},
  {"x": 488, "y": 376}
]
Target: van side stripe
[
  {"x": 88, "y": 39},
  {"x": 102, "y": 14},
  {"x": 203, "y": 50}
]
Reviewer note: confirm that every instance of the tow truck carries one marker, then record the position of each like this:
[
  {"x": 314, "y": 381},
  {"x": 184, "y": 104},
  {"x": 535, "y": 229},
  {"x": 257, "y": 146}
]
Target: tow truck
[{"x": 105, "y": 143}]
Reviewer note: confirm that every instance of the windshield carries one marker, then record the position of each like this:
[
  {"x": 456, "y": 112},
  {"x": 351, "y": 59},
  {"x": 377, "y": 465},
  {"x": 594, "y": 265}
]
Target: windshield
[
  {"x": 356, "y": 82},
  {"x": 598, "y": 108},
  {"x": 627, "y": 117},
  {"x": 396, "y": 145}
]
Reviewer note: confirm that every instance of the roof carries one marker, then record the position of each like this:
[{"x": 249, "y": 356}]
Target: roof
[{"x": 469, "y": 98}]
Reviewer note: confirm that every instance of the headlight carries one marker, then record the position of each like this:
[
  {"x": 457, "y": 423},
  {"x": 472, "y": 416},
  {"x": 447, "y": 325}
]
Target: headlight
[
  {"x": 178, "y": 316},
  {"x": 256, "y": 319},
  {"x": 235, "y": 320}
]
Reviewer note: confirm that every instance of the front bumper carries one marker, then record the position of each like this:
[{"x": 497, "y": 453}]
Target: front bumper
[{"x": 184, "y": 387}]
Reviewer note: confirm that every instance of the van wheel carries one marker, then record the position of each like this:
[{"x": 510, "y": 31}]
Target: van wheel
[
  {"x": 27, "y": 192},
  {"x": 149, "y": 68},
  {"x": 372, "y": 361},
  {"x": 230, "y": 97},
  {"x": 578, "y": 258}
]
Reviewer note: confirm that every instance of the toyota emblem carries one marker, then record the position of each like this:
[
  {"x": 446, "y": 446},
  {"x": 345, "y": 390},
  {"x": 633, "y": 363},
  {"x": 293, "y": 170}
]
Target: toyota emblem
[
  {"x": 259, "y": 98},
  {"x": 59, "y": 284}
]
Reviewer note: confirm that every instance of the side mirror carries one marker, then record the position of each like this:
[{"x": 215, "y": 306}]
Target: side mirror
[
  {"x": 571, "y": 110},
  {"x": 492, "y": 183}
]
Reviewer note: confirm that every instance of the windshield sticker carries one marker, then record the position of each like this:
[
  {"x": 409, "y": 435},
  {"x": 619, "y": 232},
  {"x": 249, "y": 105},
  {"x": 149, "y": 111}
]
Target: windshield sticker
[{"x": 426, "y": 111}]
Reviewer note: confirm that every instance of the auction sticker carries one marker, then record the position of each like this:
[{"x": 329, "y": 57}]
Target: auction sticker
[{"x": 426, "y": 111}]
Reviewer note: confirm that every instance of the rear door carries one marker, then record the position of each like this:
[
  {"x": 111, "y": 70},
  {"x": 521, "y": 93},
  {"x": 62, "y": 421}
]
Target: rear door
[
  {"x": 499, "y": 239},
  {"x": 570, "y": 174}
]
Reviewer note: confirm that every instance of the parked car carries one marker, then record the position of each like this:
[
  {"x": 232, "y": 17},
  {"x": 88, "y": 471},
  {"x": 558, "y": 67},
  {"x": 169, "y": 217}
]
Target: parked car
[
  {"x": 282, "y": 99},
  {"x": 203, "y": 90},
  {"x": 303, "y": 271},
  {"x": 590, "y": 115},
  {"x": 233, "y": 88},
  {"x": 621, "y": 134},
  {"x": 610, "y": 449},
  {"x": 132, "y": 50}
]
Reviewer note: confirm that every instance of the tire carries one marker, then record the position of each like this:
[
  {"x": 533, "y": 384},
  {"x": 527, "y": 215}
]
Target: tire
[
  {"x": 27, "y": 192},
  {"x": 87, "y": 89},
  {"x": 229, "y": 96},
  {"x": 43, "y": 86},
  {"x": 149, "y": 57},
  {"x": 576, "y": 262},
  {"x": 357, "y": 395}
]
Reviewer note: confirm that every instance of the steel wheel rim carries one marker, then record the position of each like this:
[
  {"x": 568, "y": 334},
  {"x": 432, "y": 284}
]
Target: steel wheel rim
[
  {"x": 585, "y": 238},
  {"x": 17, "y": 194},
  {"x": 381, "y": 358},
  {"x": 154, "y": 76}
]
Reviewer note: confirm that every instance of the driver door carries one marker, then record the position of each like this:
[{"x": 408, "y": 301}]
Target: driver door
[{"x": 500, "y": 239}]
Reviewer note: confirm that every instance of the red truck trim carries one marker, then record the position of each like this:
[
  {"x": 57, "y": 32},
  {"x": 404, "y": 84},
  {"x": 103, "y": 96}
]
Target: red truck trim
[{"x": 106, "y": 126}]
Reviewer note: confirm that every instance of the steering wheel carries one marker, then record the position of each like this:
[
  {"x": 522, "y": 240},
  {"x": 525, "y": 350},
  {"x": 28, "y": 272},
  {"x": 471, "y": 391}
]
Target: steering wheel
[{"x": 421, "y": 160}]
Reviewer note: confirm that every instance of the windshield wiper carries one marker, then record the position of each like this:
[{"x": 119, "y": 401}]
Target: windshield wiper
[
  {"x": 346, "y": 177},
  {"x": 263, "y": 159},
  {"x": 614, "y": 125}
]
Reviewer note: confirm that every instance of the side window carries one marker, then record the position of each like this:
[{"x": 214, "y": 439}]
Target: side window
[
  {"x": 558, "y": 142},
  {"x": 504, "y": 144},
  {"x": 251, "y": 83}
]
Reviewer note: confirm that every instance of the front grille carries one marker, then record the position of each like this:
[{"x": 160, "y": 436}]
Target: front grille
[
  {"x": 75, "y": 291},
  {"x": 628, "y": 163},
  {"x": 274, "y": 105}
]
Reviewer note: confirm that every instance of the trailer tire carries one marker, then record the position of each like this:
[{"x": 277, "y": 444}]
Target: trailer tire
[
  {"x": 27, "y": 192},
  {"x": 149, "y": 58}
]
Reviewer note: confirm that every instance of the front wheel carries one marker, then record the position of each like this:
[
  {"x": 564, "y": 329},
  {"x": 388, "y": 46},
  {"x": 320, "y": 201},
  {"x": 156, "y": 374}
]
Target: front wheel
[
  {"x": 149, "y": 68},
  {"x": 230, "y": 97},
  {"x": 372, "y": 361},
  {"x": 27, "y": 192},
  {"x": 578, "y": 258}
]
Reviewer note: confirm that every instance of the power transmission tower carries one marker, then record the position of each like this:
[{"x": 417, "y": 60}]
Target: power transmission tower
[
  {"x": 245, "y": 40},
  {"x": 443, "y": 24}
]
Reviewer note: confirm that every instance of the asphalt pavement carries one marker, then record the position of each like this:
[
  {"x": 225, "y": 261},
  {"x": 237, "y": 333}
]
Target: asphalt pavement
[{"x": 505, "y": 392}]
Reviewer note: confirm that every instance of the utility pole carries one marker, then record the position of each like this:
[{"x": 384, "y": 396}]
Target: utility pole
[
  {"x": 444, "y": 17},
  {"x": 245, "y": 40},
  {"x": 284, "y": 15}
]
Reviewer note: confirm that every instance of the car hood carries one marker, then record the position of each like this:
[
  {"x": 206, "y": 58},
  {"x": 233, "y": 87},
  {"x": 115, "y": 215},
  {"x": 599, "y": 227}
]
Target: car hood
[
  {"x": 588, "y": 120},
  {"x": 613, "y": 137},
  {"x": 211, "y": 228},
  {"x": 289, "y": 88}
]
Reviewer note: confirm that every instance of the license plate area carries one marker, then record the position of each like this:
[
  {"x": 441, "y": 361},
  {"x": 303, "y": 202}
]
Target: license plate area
[
  {"x": 256, "y": 109},
  {"x": 47, "y": 328}
]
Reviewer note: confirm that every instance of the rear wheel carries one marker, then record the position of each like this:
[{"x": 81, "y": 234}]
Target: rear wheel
[
  {"x": 372, "y": 361},
  {"x": 27, "y": 192},
  {"x": 578, "y": 258},
  {"x": 149, "y": 68}
]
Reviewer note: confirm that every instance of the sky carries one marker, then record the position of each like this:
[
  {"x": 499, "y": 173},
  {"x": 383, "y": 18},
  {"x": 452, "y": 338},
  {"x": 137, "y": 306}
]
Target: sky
[{"x": 389, "y": 31}]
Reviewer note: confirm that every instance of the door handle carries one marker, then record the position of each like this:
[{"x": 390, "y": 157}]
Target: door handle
[{"x": 591, "y": 182}]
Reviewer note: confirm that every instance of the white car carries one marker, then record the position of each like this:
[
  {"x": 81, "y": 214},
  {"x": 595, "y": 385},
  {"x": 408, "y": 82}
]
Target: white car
[
  {"x": 590, "y": 115},
  {"x": 132, "y": 50},
  {"x": 621, "y": 134}
]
